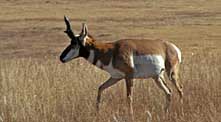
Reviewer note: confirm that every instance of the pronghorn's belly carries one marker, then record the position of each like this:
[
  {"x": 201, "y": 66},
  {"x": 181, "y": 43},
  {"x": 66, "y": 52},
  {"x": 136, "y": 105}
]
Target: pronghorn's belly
[
  {"x": 115, "y": 73},
  {"x": 146, "y": 66}
]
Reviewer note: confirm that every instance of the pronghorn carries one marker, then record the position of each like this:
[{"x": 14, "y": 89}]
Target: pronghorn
[{"x": 127, "y": 59}]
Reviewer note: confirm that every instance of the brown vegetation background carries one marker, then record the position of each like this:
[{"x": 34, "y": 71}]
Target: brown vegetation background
[{"x": 36, "y": 87}]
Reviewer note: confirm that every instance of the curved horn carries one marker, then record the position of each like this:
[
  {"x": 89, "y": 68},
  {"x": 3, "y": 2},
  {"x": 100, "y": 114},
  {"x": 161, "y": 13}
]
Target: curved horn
[{"x": 68, "y": 31}]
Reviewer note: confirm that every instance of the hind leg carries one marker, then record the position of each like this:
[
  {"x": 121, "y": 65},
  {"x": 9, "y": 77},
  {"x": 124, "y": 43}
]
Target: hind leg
[
  {"x": 174, "y": 78},
  {"x": 160, "y": 81}
]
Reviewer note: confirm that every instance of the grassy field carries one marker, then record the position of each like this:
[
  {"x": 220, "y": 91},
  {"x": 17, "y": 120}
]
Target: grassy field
[{"x": 36, "y": 87}]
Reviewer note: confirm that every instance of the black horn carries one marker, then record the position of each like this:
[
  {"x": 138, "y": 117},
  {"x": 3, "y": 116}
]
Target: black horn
[{"x": 69, "y": 32}]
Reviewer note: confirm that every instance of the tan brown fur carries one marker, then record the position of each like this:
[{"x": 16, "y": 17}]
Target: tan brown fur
[
  {"x": 103, "y": 51},
  {"x": 122, "y": 50},
  {"x": 128, "y": 47},
  {"x": 142, "y": 46}
]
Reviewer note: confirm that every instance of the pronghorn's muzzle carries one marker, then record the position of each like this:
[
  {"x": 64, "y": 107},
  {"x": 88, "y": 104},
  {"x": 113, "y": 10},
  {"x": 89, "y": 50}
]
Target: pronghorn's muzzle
[
  {"x": 64, "y": 53},
  {"x": 62, "y": 60}
]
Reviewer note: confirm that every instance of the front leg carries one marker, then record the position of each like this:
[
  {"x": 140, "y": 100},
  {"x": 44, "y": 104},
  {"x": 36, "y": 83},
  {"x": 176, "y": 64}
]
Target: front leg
[
  {"x": 129, "y": 85},
  {"x": 111, "y": 81}
]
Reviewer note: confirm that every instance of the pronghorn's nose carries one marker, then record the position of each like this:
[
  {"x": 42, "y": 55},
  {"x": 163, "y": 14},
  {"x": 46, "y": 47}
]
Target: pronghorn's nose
[{"x": 62, "y": 60}]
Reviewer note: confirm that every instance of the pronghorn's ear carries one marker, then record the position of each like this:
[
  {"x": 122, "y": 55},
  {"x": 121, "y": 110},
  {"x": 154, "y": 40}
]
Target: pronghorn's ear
[
  {"x": 84, "y": 30},
  {"x": 84, "y": 33}
]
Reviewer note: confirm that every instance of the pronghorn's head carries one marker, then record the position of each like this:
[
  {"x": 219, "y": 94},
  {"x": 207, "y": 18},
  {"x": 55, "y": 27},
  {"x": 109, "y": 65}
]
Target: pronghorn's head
[{"x": 77, "y": 46}]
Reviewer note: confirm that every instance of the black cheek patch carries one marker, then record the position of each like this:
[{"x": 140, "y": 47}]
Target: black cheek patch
[{"x": 84, "y": 52}]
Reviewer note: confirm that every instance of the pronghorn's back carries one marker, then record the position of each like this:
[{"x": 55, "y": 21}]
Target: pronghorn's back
[
  {"x": 142, "y": 46},
  {"x": 151, "y": 47}
]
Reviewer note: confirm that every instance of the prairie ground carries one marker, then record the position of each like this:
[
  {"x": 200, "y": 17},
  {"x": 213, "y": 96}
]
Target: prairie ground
[{"x": 36, "y": 87}]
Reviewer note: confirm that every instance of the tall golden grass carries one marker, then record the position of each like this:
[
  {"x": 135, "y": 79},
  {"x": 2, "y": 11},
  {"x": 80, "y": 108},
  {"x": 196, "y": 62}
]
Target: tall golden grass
[{"x": 34, "y": 90}]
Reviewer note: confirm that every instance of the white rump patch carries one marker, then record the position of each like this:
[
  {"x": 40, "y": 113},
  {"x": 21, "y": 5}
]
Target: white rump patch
[
  {"x": 148, "y": 66},
  {"x": 115, "y": 73},
  {"x": 178, "y": 51}
]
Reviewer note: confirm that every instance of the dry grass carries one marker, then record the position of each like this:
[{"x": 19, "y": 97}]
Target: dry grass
[
  {"x": 36, "y": 90},
  {"x": 36, "y": 87}
]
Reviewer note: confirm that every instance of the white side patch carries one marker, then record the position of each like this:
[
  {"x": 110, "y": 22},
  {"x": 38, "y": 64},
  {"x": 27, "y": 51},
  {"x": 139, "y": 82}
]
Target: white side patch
[
  {"x": 178, "y": 51},
  {"x": 149, "y": 59},
  {"x": 91, "y": 56},
  {"x": 72, "y": 54},
  {"x": 115, "y": 73},
  {"x": 148, "y": 65}
]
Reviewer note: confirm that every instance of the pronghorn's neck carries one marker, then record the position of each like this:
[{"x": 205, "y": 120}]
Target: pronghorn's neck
[{"x": 99, "y": 51}]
